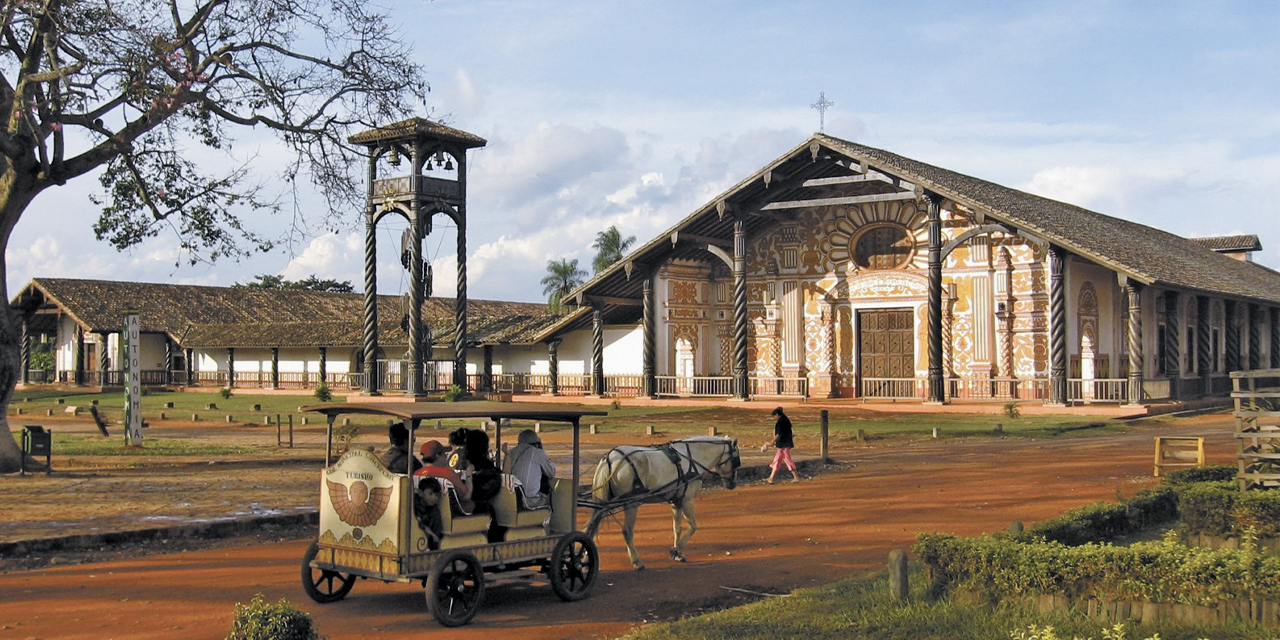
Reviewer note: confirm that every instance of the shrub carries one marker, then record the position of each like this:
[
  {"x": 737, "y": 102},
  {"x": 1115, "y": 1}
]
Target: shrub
[
  {"x": 453, "y": 394},
  {"x": 1106, "y": 521},
  {"x": 615, "y": 405},
  {"x": 1220, "y": 473},
  {"x": 280, "y": 621},
  {"x": 323, "y": 394},
  {"x": 225, "y": 392},
  {"x": 1012, "y": 410}
]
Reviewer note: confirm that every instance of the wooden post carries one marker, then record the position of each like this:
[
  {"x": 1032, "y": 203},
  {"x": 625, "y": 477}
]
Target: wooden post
[
  {"x": 825, "y": 433},
  {"x": 898, "y": 575},
  {"x": 291, "y": 431}
]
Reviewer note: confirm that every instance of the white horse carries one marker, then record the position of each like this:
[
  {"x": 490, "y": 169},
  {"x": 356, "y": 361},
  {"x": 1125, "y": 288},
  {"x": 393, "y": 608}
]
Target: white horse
[{"x": 630, "y": 476}]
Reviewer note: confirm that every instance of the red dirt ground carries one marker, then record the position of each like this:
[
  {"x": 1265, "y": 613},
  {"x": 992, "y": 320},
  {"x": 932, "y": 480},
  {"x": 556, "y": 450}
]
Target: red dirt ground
[{"x": 758, "y": 538}]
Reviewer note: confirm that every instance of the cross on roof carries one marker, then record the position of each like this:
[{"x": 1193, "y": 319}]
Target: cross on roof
[{"x": 822, "y": 105}]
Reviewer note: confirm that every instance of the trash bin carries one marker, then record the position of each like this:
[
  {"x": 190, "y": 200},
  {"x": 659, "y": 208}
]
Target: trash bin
[{"x": 37, "y": 441}]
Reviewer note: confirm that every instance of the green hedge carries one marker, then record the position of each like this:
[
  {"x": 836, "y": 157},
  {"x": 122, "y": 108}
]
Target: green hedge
[
  {"x": 1107, "y": 521},
  {"x": 1164, "y": 572},
  {"x": 1221, "y": 509}
]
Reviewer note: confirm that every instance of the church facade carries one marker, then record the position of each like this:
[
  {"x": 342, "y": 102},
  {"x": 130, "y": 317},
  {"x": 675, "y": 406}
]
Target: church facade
[{"x": 840, "y": 270}]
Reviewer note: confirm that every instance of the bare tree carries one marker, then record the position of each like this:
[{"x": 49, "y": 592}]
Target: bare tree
[{"x": 133, "y": 90}]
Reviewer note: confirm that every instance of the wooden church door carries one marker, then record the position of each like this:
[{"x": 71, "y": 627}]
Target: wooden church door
[{"x": 886, "y": 344}]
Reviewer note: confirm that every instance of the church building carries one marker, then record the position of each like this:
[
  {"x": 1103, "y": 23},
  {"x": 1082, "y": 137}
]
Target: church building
[{"x": 841, "y": 270}]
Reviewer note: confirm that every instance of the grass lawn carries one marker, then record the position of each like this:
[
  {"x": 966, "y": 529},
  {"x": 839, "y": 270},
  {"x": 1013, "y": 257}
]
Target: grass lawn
[{"x": 861, "y": 608}]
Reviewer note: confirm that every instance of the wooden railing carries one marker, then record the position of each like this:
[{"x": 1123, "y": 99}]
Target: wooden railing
[
  {"x": 1256, "y": 395},
  {"x": 695, "y": 386},
  {"x": 1097, "y": 390}
]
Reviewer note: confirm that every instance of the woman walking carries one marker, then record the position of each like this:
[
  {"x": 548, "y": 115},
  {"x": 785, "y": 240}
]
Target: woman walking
[{"x": 783, "y": 442}]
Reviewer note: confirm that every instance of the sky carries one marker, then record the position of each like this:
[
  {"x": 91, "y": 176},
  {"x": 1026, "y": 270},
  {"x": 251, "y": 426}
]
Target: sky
[{"x": 635, "y": 114}]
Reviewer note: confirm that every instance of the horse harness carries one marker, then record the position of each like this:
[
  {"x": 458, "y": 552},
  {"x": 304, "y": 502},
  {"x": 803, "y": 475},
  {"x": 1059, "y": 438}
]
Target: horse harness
[{"x": 696, "y": 470}]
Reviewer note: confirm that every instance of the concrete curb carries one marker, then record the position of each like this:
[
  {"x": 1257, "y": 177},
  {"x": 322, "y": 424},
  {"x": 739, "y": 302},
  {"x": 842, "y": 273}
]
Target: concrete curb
[{"x": 236, "y": 526}]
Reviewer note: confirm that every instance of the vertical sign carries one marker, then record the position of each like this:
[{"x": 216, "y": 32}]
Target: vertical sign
[{"x": 132, "y": 380}]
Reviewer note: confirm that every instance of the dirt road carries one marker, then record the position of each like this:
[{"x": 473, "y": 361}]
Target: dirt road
[{"x": 758, "y": 538}]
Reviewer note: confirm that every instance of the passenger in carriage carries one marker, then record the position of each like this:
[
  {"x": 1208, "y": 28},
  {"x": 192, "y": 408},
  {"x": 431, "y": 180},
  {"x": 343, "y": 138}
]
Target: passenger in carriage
[
  {"x": 426, "y": 510},
  {"x": 397, "y": 457},
  {"x": 434, "y": 466},
  {"x": 531, "y": 466},
  {"x": 486, "y": 480}
]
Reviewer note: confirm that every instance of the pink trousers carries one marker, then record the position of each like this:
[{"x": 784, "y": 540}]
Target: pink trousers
[{"x": 781, "y": 457}]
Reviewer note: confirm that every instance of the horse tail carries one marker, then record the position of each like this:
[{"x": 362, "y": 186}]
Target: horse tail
[{"x": 600, "y": 481}]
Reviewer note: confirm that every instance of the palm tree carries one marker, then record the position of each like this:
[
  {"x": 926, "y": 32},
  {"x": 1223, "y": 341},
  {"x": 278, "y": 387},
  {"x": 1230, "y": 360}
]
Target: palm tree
[
  {"x": 562, "y": 277},
  {"x": 609, "y": 247}
]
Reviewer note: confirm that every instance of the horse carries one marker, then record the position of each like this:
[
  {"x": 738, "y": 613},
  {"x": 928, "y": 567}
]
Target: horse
[{"x": 672, "y": 473}]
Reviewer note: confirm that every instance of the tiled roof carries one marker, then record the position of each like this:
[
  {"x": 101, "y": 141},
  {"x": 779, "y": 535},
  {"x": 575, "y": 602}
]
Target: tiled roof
[
  {"x": 414, "y": 127},
  {"x": 206, "y": 317},
  {"x": 1147, "y": 254},
  {"x": 1225, "y": 244}
]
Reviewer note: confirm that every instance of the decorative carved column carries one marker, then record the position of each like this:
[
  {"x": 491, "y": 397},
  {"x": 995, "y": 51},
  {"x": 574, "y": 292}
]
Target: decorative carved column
[
  {"x": 324, "y": 366},
  {"x": 275, "y": 367},
  {"x": 649, "y": 331},
  {"x": 25, "y": 358},
  {"x": 936, "y": 383},
  {"x": 77, "y": 366},
  {"x": 597, "y": 351},
  {"x": 1231, "y": 336},
  {"x": 371, "y": 288},
  {"x": 486, "y": 379},
  {"x": 1255, "y": 338},
  {"x": 1058, "y": 326},
  {"x": 168, "y": 360},
  {"x": 1204, "y": 339},
  {"x": 231, "y": 367},
  {"x": 418, "y": 228},
  {"x": 460, "y": 307},
  {"x": 553, "y": 365},
  {"x": 1275, "y": 338},
  {"x": 948, "y": 325},
  {"x": 739, "y": 309},
  {"x": 190, "y": 366},
  {"x": 1172, "y": 339},
  {"x": 827, "y": 377},
  {"x": 1173, "y": 343},
  {"x": 1135, "y": 341}
]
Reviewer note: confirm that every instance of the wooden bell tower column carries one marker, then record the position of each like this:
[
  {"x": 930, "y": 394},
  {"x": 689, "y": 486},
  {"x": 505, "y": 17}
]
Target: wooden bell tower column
[{"x": 436, "y": 183}]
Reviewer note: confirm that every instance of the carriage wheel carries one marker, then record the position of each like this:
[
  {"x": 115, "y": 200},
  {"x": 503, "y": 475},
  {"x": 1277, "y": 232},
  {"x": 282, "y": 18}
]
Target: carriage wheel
[
  {"x": 322, "y": 585},
  {"x": 574, "y": 565},
  {"x": 455, "y": 587}
]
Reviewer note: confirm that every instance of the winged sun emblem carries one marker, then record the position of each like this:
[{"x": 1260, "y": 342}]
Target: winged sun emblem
[{"x": 358, "y": 505}]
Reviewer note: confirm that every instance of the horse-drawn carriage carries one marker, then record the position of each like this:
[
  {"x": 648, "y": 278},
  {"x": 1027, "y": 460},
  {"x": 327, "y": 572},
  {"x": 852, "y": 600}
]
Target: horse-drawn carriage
[{"x": 368, "y": 529}]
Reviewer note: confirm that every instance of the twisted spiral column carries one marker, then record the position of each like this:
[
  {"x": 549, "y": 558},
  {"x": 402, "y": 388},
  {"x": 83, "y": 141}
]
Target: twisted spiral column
[
  {"x": 1172, "y": 337},
  {"x": 1255, "y": 338},
  {"x": 460, "y": 306},
  {"x": 26, "y": 353},
  {"x": 649, "y": 331},
  {"x": 1057, "y": 327},
  {"x": 1231, "y": 336},
  {"x": 1275, "y": 338},
  {"x": 553, "y": 365},
  {"x": 1135, "y": 342},
  {"x": 1204, "y": 337},
  {"x": 324, "y": 365},
  {"x": 597, "y": 351},
  {"x": 371, "y": 291},
  {"x": 739, "y": 309},
  {"x": 936, "y": 388}
]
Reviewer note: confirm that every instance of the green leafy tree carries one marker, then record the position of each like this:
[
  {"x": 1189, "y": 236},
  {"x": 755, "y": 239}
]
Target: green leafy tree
[
  {"x": 130, "y": 90},
  {"x": 610, "y": 246},
  {"x": 310, "y": 283},
  {"x": 563, "y": 276}
]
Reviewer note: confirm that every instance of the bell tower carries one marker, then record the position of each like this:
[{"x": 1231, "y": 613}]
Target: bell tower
[{"x": 436, "y": 183}]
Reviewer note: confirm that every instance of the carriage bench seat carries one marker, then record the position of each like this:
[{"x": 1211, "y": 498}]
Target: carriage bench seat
[{"x": 461, "y": 530}]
